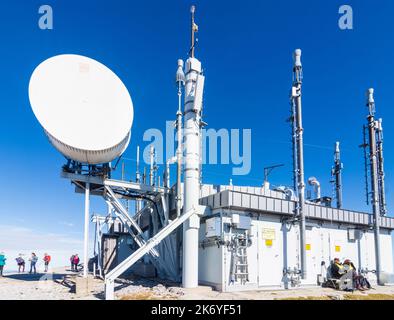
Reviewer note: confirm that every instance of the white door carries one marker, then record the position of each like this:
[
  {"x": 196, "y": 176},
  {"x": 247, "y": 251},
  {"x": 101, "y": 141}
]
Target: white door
[
  {"x": 313, "y": 254},
  {"x": 270, "y": 255}
]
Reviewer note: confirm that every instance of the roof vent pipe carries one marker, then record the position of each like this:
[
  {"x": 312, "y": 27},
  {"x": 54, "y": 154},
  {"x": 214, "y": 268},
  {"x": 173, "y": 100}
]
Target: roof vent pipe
[{"x": 316, "y": 184}]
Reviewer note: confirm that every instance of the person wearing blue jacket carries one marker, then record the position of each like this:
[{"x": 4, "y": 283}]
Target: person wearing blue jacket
[
  {"x": 2, "y": 263},
  {"x": 33, "y": 260}
]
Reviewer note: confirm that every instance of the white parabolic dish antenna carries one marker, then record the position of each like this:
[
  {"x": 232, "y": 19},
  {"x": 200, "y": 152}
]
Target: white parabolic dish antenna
[{"x": 84, "y": 108}]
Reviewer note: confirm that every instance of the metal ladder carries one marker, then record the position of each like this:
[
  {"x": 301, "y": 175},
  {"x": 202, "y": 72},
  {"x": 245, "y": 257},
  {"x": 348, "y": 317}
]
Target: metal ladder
[{"x": 241, "y": 266}]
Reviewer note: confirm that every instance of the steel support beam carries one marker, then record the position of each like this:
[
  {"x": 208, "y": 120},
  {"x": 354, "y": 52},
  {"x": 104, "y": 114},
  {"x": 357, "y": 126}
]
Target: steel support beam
[
  {"x": 138, "y": 254},
  {"x": 86, "y": 231}
]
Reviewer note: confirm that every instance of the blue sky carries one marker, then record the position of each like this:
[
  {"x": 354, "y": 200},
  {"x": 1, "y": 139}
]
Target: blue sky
[{"x": 246, "y": 50}]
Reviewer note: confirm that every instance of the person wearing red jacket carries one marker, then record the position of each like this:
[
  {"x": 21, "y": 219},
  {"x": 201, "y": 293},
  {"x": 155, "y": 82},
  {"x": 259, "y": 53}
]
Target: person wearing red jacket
[
  {"x": 47, "y": 259},
  {"x": 76, "y": 262}
]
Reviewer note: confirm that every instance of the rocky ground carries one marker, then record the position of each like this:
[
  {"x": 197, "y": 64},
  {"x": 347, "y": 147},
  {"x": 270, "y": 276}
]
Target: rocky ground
[{"x": 49, "y": 287}]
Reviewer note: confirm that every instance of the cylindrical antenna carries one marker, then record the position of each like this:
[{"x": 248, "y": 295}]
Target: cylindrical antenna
[
  {"x": 297, "y": 58},
  {"x": 297, "y": 69},
  {"x": 371, "y": 101},
  {"x": 180, "y": 75},
  {"x": 180, "y": 81}
]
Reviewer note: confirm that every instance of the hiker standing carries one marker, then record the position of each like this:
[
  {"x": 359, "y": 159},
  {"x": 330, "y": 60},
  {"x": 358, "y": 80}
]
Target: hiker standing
[
  {"x": 76, "y": 261},
  {"x": 47, "y": 259},
  {"x": 21, "y": 263},
  {"x": 2, "y": 263},
  {"x": 33, "y": 260},
  {"x": 72, "y": 262}
]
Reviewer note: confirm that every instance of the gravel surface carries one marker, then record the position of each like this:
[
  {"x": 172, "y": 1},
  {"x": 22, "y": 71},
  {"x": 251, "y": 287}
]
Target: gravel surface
[{"x": 48, "y": 287}]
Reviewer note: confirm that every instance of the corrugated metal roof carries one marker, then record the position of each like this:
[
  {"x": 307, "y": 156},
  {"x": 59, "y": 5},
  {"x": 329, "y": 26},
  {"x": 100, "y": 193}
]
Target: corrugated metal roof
[{"x": 252, "y": 201}]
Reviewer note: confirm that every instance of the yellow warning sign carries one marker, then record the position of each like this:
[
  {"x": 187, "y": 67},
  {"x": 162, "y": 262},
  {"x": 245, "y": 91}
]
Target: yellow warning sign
[
  {"x": 268, "y": 234},
  {"x": 268, "y": 242},
  {"x": 308, "y": 246},
  {"x": 337, "y": 248}
]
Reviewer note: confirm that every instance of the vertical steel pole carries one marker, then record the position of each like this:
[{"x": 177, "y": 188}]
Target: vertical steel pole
[
  {"x": 86, "y": 231},
  {"x": 374, "y": 179},
  {"x": 296, "y": 94}
]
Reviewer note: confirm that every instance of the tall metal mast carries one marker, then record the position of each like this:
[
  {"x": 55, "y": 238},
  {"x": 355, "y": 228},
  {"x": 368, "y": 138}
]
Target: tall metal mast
[
  {"x": 374, "y": 177},
  {"x": 194, "y": 86},
  {"x": 336, "y": 172},
  {"x": 379, "y": 144},
  {"x": 299, "y": 155}
]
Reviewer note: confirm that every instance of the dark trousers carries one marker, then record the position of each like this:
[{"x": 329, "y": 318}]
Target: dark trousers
[
  {"x": 1, "y": 271},
  {"x": 33, "y": 267},
  {"x": 46, "y": 266}
]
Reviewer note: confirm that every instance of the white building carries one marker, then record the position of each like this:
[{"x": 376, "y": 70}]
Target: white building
[{"x": 265, "y": 219}]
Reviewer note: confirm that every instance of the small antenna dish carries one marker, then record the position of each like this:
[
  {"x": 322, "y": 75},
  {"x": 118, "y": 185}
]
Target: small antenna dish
[{"x": 83, "y": 107}]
